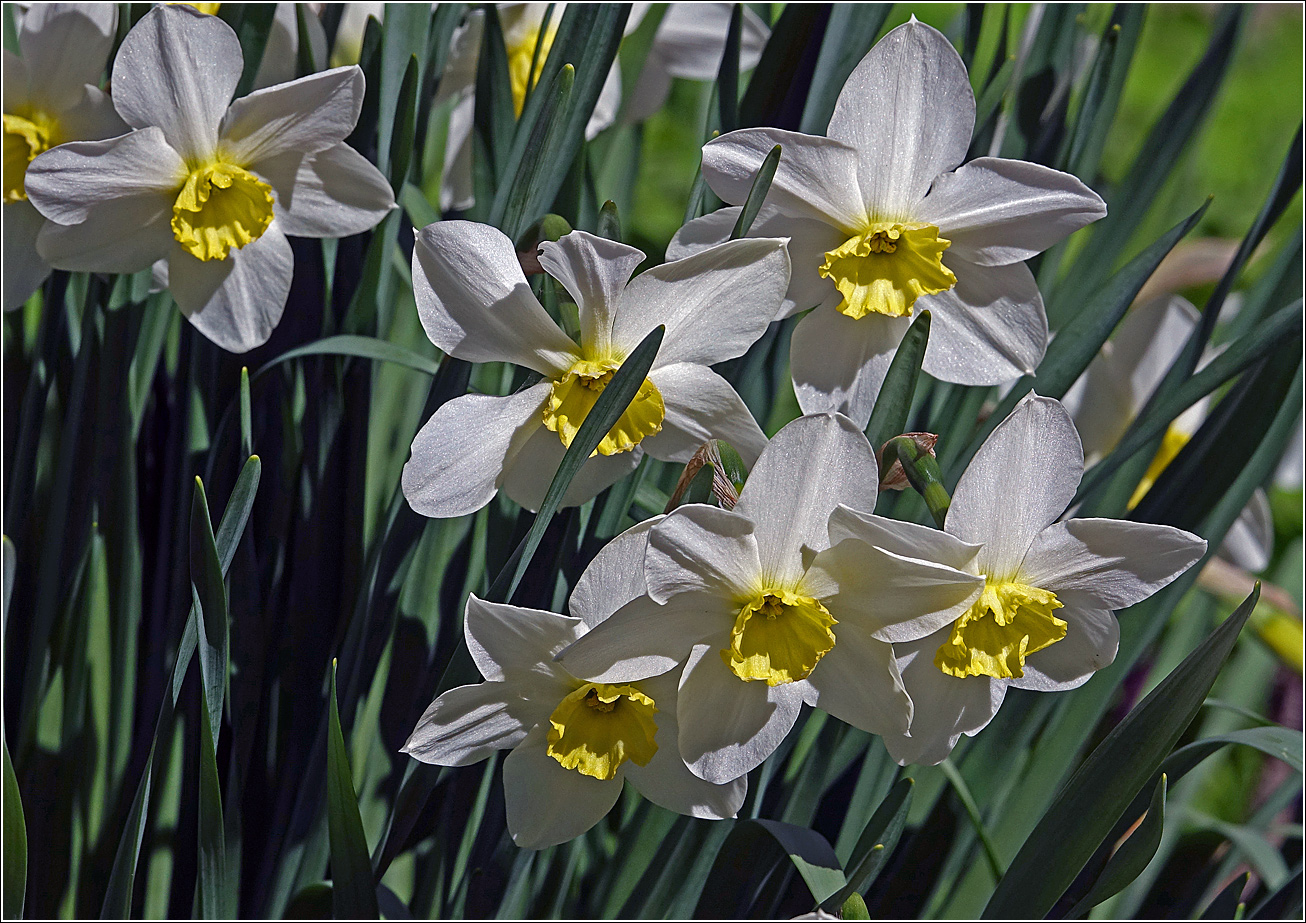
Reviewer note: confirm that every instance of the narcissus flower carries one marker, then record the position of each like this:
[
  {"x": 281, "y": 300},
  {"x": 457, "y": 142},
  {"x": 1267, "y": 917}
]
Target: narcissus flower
[
  {"x": 765, "y": 615},
  {"x": 208, "y": 188},
  {"x": 51, "y": 95},
  {"x": 573, "y": 742},
  {"x": 885, "y": 223},
  {"x": 475, "y": 304},
  {"x": 1044, "y": 619}
]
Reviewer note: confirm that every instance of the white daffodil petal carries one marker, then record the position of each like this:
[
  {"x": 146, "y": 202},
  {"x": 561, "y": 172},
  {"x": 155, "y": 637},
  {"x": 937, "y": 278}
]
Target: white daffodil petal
[
  {"x": 595, "y": 271},
  {"x": 281, "y": 53},
  {"x": 810, "y": 467},
  {"x": 699, "y": 548},
  {"x": 606, "y": 106},
  {"x": 988, "y": 329},
  {"x": 236, "y": 302},
  {"x": 1148, "y": 341},
  {"x": 691, "y": 39},
  {"x": 902, "y": 538},
  {"x": 66, "y": 182},
  {"x": 14, "y": 85},
  {"x": 123, "y": 235},
  {"x": 530, "y": 472},
  {"x": 728, "y": 726},
  {"x": 888, "y": 596},
  {"x": 65, "y": 46},
  {"x": 92, "y": 117},
  {"x": 666, "y": 780},
  {"x": 816, "y": 177},
  {"x": 908, "y": 111},
  {"x": 614, "y": 577},
  {"x": 998, "y": 211},
  {"x": 306, "y": 116},
  {"x": 506, "y": 642},
  {"x": 177, "y": 69},
  {"x": 1019, "y": 482},
  {"x": 333, "y": 193},
  {"x": 651, "y": 90},
  {"x": 945, "y": 707},
  {"x": 459, "y": 456},
  {"x": 456, "y": 188},
  {"x": 701, "y": 405},
  {"x": 474, "y": 302},
  {"x": 1108, "y": 563},
  {"x": 714, "y": 304},
  {"x": 1091, "y": 641},
  {"x": 643, "y": 638},
  {"x": 547, "y": 804},
  {"x": 838, "y": 363},
  {"x": 1250, "y": 540},
  {"x": 464, "y": 726},
  {"x": 24, "y": 270},
  {"x": 708, "y": 231},
  {"x": 858, "y": 682}
]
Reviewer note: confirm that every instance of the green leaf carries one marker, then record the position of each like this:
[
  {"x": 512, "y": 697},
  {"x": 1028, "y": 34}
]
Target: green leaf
[
  {"x": 780, "y": 71},
  {"x": 854, "y": 908},
  {"x": 214, "y": 891},
  {"x": 848, "y": 37},
  {"x": 1101, "y": 99},
  {"x": 305, "y": 62},
  {"x": 1273, "y": 740},
  {"x": 756, "y": 193},
  {"x": 210, "y": 594},
  {"x": 972, "y": 811},
  {"x": 1224, "y": 906},
  {"x": 609, "y": 221},
  {"x": 15, "y": 842},
  {"x": 360, "y": 346},
  {"x": 1091, "y": 801},
  {"x": 353, "y": 889},
  {"x": 893, "y": 404},
  {"x": 420, "y": 211},
  {"x": 877, "y": 842},
  {"x": 246, "y": 414},
  {"x": 750, "y": 855},
  {"x": 122, "y": 878},
  {"x": 403, "y": 48},
  {"x": 612, "y": 403},
  {"x": 401, "y": 142},
  {"x": 253, "y": 24},
  {"x": 1131, "y": 857},
  {"x": 9, "y": 563},
  {"x": 727, "y": 80}
]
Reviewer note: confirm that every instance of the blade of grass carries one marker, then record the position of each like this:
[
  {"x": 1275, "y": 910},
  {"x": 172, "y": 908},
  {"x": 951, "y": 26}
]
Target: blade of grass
[{"x": 353, "y": 889}]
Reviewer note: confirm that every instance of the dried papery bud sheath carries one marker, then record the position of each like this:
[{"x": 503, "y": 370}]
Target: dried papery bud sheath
[
  {"x": 551, "y": 227},
  {"x": 916, "y": 459},
  {"x": 892, "y": 477},
  {"x": 725, "y": 481}
]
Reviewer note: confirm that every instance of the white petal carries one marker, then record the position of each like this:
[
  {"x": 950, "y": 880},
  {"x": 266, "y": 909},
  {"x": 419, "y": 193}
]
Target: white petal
[
  {"x": 810, "y": 467},
  {"x": 474, "y": 302},
  {"x": 614, "y": 577},
  {"x": 643, "y": 638},
  {"x": 666, "y": 780},
  {"x": 464, "y": 726},
  {"x": 701, "y": 405},
  {"x": 607, "y": 105},
  {"x": 456, "y": 188},
  {"x": 178, "y": 68},
  {"x": 728, "y": 726},
  {"x": 816, "y": 177},
  {"x": 1092, "y": 638},
  {"x": 124, "y": 235},
  {"x": 989, "y": 328},
  {"x": 691, "y": 39},
  {"x": 516, "y": 646},
  {"x": 908, "y": 110},
  {"x": 65, "y": 46},
  {"x": 945, "y": 707},
  {"x": 333, "y": 193},
  {"x": 858, "y": 682},
  {"x": 530, "y": 472},
  {"x": 714, "y": 304},
  {"x": 236, "y": 302},
  {"x": 92, "y": 117},
  {"x": 708, "y": 231},
  {"x": 282, "y": 50},
  {"x": 888, "y": 596},
  {"x": 306, "y": 115},
  {"x": 1108, "y": 563},
  {"x": 595, "y": 272},
  {"x": 24, "y": 270},
  {"x": 702, "y": 549},
  {"x": 651, "y": 90},
  {"x": 67, "y": 181},
  {"x": 902, "y": 538},
  {"x": 459, "y": 456},
  {"x": 999, "y": 211},
  {"x": 14, "y": 89},
  {"x": 1019, "y": 482},
  {"x": 838, "y": 364},
  {"x": 1250, "y": 541},
  {"x": 547, "y": 804}
]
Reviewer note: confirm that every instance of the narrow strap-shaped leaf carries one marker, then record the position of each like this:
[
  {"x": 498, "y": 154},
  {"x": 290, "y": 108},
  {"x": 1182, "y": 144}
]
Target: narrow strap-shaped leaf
[
  {"x": 972, "y": 811},
  {"x": 849, "y": 35},
  {"x": 727, "y": 80},
  {"x": 15, "y": 842},
  {"x": 210, "y": 596},
  {"x": 610, "y": 221},
  {"x": 612, "y": 403},
  {"x": 213, "y": 885},
  {"x": 405, "y": 130},
  {"x": 361, "y": 346},
  {"x": 253, "y": 24},
  {"x": 1224, "y": 906},
  {"x": 777, "y": 90},
  {"x": 246, "y": 414},
  {"x": 9, "y": 563},
  {"x": 353, "y": 889},
  {"x": 305, "y": 62},
  {"x": 877, "y": 842},
  {"x": 1101, "y": 789},
  {"x": 892, "y": 405},
  {"x": 756, "y": 194},
  {"x": 1132, "y": 857},
  {"x": 404, "y": 40},
  {"x": 122, "y": 877},
  {"x": 753, "y": 847}
]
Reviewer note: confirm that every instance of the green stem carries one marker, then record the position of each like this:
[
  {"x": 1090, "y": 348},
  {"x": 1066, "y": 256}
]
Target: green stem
[{"x": 922, "y": 471}]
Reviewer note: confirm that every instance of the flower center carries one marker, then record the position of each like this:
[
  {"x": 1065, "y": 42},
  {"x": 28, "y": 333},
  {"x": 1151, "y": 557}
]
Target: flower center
[
  {"x": 779, "y": 636},
  {"x": 598, "y": 727},
  {"x": 25, "y": 138},
  {"x": 220, "y": 206},
  {"x": 887, "y": 267},
  {"x": 1171, "y": 445},
  {"x": 520, "y": 56},
  {"x": 1006, "y": 624},
  {"x": 574, "y": 396}
]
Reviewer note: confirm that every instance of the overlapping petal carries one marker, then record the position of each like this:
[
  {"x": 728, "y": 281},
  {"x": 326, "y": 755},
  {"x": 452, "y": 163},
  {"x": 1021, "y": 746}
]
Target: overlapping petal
[
  {"x": 547, "y": 804},
  {"x": 333, "y": 193},
  {"x": 858, "y": 682},
  {"x": 24, "y": 269},
  {"x": 67, "y": 182},
  {"x": 702, "y": 549},
  {"x": 701, "y": 405},
  {"x": 644, "y": 638},
  {"x": 529, "y": 472},
  {"x": 614, "y": 577},
  {"x": 838, "y": 364},
  {"x": 465, "y": 725},
  {"x": 1092, "y": 638},
  {"x": 595, "y": 272},
  {"x": 306, "y": 116}
]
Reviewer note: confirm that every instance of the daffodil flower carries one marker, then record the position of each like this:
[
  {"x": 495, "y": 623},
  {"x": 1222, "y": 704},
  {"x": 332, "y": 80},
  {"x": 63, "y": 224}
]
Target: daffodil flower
[
  {"x": 205, "y": 187},
  {"x": 573, "y": 742},
  {"x": 765, "y": 614},
  {"x": 1043, "y": 620},
  {"x": 475, "y": 304},
  {"x": 50, "y": 96},
  {"x": 884, "y": 223},
  {"x": 1119, "y": 381}
]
